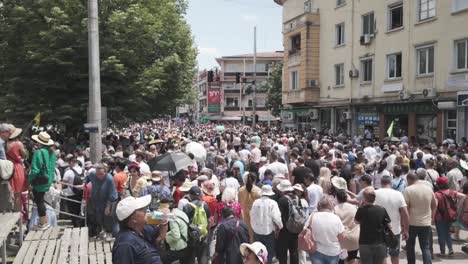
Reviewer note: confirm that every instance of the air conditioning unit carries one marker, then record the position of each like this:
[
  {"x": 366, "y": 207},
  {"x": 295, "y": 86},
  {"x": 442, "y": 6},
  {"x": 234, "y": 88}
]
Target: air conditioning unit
[
  {"x": 314, "y": 114},
  {"x": 313, "y": 83},
  {"x": 354, "y": 73},
  {"x": 347, "y": 115},
  {"x": 404, "y": 95},
  {"x": 429, "y": 93},
  {"x": 366, "y": 39}
]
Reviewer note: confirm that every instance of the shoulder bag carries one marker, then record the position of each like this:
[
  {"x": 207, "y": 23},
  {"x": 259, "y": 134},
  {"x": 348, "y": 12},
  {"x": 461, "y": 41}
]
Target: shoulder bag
[{"x": 43, "y": 177}]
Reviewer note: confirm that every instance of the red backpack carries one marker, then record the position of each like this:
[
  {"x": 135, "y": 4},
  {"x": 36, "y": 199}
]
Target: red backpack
[{"x": 447, "y": 206}]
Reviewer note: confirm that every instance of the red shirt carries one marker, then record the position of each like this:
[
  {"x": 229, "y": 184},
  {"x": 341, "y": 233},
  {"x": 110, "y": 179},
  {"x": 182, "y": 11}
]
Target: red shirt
[
  {"x": 212, "y": 203},
  {"x": 178, "y": 194}
]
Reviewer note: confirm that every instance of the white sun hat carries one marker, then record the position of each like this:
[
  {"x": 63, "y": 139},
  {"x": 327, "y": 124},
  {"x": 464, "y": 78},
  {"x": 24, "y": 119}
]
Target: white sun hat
[{"x": 127, "y": 206}]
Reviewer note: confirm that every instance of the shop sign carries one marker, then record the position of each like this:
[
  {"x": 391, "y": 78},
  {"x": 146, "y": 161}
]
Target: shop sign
[
  {"x": 368, "y": 119},
  {"x": 407, "y": 108},
  {"x": 462, "y": 98},
  {"x": 214, "y": 98}
]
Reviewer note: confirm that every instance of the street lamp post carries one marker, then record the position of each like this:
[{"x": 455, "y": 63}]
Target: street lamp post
[
  {"x": 94, "y": 114},
  {"x": 254, "y": 100}
]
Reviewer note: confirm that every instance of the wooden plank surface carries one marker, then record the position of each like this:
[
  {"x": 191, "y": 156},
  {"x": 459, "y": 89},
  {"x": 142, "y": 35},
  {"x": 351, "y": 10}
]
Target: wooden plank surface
[
  {"x": 54, "y": 233},
  {"x": 99, "y": 247},
  {"x": 51, "y": 249},
  {"x": 64, "y": 246},
  {"x": 31, "y": 252},
  {"x": 45, "y": 234},
  {"x": 101, "y": 259},
  {"x": 75, "y": 246},
  {"x": 57, "y": 251},
  {"x": 83, "y": 245},
  {"x": 38, "y": 235},
  {"x": 109, "y": 258},
  {"x": 30, "y": 235},
  {"x": 40, "y": 252},
  {"x": 92, "y": 259},
  {"x": 22, "y": 252},
  {"x": 92, "y": 247}
]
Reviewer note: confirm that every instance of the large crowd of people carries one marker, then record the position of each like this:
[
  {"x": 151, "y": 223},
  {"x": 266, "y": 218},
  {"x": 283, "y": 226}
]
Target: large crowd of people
[{"x": 254, "y": 195}]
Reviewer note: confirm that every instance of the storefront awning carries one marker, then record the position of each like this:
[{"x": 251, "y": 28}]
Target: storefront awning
[{"x": 231, "y": 118}]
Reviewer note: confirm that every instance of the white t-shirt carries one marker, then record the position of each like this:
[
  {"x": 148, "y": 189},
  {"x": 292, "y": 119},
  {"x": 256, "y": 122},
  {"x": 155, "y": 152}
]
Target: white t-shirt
[
  {"x": 68, "y": 177},
  {"x": 231, "y": 182},
  {"x": 144, "y": 168},
  {"x": 392, "y": 201},
  {"x": 256, "y": 155},
  {"x": 244, "y": 155},
  {"x": 278, "y": 168},
  {"x": 326, "y": 227},
  {"x": 315, "y": 193},
  {"x": 370, "y": 153},
  {"x": 378, "y": 177}
]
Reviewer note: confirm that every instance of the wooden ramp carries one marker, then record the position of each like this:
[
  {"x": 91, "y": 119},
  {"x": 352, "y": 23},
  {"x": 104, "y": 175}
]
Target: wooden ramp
[
  {"x": 8, "y": 222},
  {"x": 59, "y": 246}
]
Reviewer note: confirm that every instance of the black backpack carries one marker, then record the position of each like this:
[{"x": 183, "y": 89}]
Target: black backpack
[
  {"x": 195, "y": 237},
  {"x": 78, "y": 180}
]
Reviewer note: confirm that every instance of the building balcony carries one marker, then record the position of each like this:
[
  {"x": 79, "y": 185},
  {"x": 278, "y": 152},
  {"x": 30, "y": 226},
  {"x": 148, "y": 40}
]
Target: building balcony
[
  {"x": 231, "y": 91},
  {"x": 231, "y": 108},
  {"x": 294, "y": 59},
  {"x": 301, "y": 96}
]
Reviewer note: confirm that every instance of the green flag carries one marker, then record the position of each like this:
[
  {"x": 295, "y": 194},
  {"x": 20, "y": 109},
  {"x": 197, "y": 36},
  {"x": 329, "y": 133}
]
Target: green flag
[{"x": 390, "y": 130}]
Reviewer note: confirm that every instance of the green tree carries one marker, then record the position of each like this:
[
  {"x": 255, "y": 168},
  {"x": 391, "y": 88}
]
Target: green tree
[
  {"x": 274, "y": 87},
  {"x": 147, "y": 59}
]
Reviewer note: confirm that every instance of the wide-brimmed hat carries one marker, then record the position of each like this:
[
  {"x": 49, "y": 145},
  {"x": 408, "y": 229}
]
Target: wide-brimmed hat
[
  {"x": 156, "y": 176},
  {"x": 15, "y": 132},
  {"x": 186, "y": 186},
  {"x": 285, "y": 186},
  {"x": 127, "y": 206},
  {"x": 298, "y": 187},
  {"x": 267, "y": 190},
  {"x": 258, "y": 249},
  {"x": 43, "y": 138},
  {"x": 208, "y": 187},
  {"x": 464, "y": 164},
  {"x": 339, "y": 183},
  {"x": 155, "y": 141}
]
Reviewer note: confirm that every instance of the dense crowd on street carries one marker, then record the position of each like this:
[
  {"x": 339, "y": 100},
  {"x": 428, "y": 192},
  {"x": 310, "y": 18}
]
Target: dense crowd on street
[{"x": 170, "y": 190}]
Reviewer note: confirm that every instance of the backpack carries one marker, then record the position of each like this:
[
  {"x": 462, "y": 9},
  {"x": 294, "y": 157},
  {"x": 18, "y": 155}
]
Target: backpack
[
  {"x": 447, "y": 208},
  {"x": 296, "y": 219},
  {"x": 78, "y": 180},
  {"x": 194, "y": 234},
  {"x": 199, "y": 218},
  {"x": 155, "y": 199}
]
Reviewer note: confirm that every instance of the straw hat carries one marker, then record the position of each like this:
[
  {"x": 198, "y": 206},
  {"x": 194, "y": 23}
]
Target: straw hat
[
  {"x": 43, "y": 138},
  {"x": 208, "y": 187},
  {"x": 186, "y": 186},
  {"x": 15, "y": 132},
  {"x": 156, "y": 176},
  {"x": 339, "y": 183}
]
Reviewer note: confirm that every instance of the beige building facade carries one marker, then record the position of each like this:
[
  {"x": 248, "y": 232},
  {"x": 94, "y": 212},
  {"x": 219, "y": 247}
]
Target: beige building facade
[{"x": 380, "y": 62}]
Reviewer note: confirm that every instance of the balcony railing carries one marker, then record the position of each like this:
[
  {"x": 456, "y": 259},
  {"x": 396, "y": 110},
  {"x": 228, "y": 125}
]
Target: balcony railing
[
  {"x": 231, "y": 108},
  {"x": 294, "y": 59}
]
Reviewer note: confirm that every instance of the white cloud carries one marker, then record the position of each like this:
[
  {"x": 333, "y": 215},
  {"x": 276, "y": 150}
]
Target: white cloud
[
  {"x": 249, "y": 17},
  {"x": 207, "y": 51}
]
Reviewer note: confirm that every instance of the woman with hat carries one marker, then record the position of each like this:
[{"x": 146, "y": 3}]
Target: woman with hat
[
  {"x": 136, "y": 184},
  {"x": 42, "y": 174},
  {"x": 16, "y": 153},
  {"x": 255, "y": 253}
]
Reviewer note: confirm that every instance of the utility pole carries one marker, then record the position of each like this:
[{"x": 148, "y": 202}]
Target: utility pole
[
  {"x": 254, "y": 100},
  {"x": 94, "y": 112}
]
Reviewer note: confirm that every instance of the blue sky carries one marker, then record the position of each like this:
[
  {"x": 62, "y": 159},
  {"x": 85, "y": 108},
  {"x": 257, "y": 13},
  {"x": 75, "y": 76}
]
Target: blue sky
[{"x": 225, "y": 27}]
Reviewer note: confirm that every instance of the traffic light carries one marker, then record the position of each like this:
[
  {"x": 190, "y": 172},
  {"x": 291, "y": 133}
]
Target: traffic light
[
  {"x": 210, "y": 76},
  {"x": 238, "y": 76}
]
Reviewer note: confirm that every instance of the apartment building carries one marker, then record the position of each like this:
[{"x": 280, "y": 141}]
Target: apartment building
[
  {"x": 369, "y": 63},
  {"x": 236, "y": 99}
]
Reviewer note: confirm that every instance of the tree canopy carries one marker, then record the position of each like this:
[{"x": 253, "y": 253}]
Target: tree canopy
[
  {"x": 274, "y": 87},
  {"x": 147, "y": 58}
]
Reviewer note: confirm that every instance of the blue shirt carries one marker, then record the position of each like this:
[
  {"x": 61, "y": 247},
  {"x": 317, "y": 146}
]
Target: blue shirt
[
  {"x": 399, "y": 184},
  {"x": 2, "y": 150},
  {"x": 162, "y": 189},
  {"x": 103, "y": 192},
  {"x": 133, "y": 248}
]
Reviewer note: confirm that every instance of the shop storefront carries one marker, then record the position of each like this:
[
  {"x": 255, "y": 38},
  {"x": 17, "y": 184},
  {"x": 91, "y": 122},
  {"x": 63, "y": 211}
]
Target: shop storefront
[{"x": 367, "y": 119}]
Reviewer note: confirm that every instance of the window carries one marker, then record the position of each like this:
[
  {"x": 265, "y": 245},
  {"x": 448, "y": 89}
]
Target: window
[
  {"x": 339, "y": 74},
  {"x": 427, "y": 9},
  {"x": 395, "y": 16},
  {"x": 425, "y": 60},
  {"x": 340, "y": 35},
  {"x": 232, "y": 102},
  {"x": 459, "y": 5},
  {"x": 451, "y": 124},
  {"x": 250, "y": 103},
  {"x": 394, "y": 66},
  {"x": 294, "y": 44},
  {"x": 461, "y": 54},
  {"x": 294, "y": 80},
  {"x": 307, "y": 6},
  {"x": 368, "y": 24},
  {"x": 340, "y": 2},
  {"x": 366, "y": 69}
]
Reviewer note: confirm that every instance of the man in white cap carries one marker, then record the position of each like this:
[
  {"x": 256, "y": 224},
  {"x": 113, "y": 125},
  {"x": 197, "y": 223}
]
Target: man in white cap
[
  {"x": 265, "y": 218},
  {"x": 136, "y": 241},
  {"x": 5, "y": 132}
]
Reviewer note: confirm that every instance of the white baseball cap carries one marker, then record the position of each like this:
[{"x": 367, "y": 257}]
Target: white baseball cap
[
  {"x": 258, "y": 249},
  {"x": 127, "y": 206}
]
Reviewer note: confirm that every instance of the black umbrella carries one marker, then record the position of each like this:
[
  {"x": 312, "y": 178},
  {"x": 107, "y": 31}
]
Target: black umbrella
[{"x": 172, "y": 162}]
